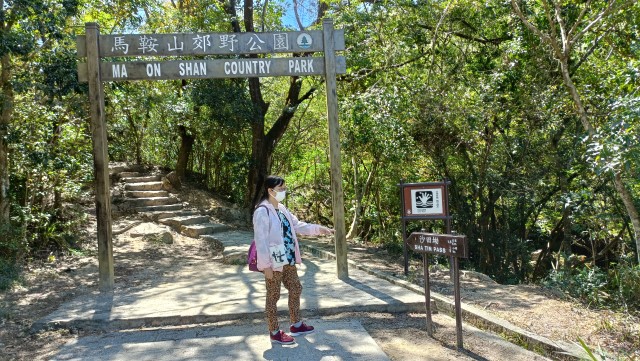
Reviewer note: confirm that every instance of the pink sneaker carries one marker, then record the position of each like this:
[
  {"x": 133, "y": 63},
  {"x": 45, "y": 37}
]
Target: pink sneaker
[
  {"x": 302, "y": 330},
  {"x": 282, "y": 338}
]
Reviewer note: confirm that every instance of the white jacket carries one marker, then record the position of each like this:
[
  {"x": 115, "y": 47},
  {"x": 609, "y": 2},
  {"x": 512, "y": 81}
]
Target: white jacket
[{"x": 267, "y": 231}]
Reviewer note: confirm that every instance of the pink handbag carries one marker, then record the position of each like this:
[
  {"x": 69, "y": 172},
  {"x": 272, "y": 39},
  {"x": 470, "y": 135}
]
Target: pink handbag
[
  {"x": 252, "y": 258},
  {"x": 252, "y": 255}
]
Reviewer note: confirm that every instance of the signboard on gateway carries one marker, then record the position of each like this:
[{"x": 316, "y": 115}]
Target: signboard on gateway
[
  {"x": 207, "y": 69},
  {"x": 125, "y": 45}
]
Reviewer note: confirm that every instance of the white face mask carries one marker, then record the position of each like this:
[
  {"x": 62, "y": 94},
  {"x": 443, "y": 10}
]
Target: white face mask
[{"x": 280, "y": 196}]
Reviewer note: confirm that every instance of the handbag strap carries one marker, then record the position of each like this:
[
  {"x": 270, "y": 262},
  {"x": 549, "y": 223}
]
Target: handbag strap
[{"x": 267, "y": 208}]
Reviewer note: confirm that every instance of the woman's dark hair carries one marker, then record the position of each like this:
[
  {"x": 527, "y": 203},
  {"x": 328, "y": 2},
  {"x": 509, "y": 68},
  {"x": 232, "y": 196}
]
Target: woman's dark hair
[{"x": 272, "y": 181}]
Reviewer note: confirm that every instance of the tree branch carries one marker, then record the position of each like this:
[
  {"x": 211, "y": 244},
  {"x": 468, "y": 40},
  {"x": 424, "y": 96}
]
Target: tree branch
[
  {"x": 551, "y": 41},
  {"x": 264, "y": 13},
  {"x": 566, "y": 45},
  {"x": 529, "y": 26},
  {"x": 579, "y": 18},
  {"x": 483, "y": 40},
  {"x": 295, "y": 12},
  {"x": 552, "y": 23},
  {"x": 588, "y": 53},
  {"x": 606, "y": 11},
  {"x": 230, "y": 9},
  {"x": 369, "y": 72}
]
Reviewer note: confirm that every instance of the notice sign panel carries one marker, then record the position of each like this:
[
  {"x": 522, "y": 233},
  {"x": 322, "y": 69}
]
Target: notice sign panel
[
  {"x": 440, "y": 244},
  {"x": 207, "y": 69},
  {"x": 425, "y": 201}
]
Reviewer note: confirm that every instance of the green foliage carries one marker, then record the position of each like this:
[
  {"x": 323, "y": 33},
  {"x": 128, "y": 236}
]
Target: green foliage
[
  {"x": 12, "y": 248},
  {"x": 586, "y": 284},
  {"x": 12, "y": 243},
  {"x": 33, "y": 22},
  {"x": 589, "y": 354},
  {"x": 625, "y": 282},
  {"x": 617, "y": 287},
  {"x": 9, "y": 273}
]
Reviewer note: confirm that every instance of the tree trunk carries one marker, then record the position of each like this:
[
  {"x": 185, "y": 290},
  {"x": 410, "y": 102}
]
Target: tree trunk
[
  {"x": 6, "y": 99},
  {"x": 58, "y": 180},
  {"x": 353, "y": 230},
  {"x": 360, "y": 195},
  {"x": 627, "y": 199},
  {"x": 186, "y": 146}
]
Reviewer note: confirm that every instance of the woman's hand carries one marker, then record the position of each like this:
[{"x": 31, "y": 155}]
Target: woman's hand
[
  {"x": 268, "y": 273},
  {"x": 326, "y": 230}
]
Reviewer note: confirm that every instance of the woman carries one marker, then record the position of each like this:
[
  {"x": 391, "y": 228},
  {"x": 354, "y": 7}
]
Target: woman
[{"x": 278, "y": 253}]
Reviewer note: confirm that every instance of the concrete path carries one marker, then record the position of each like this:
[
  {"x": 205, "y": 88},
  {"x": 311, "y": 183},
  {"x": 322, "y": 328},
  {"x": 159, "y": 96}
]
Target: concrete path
[
  {"x": 214, "y": 292},
  {"x": 333, "y": 340},
  {"x": 210, "y": 292}
]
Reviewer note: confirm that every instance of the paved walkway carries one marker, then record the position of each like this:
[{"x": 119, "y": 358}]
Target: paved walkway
[
  {"x": 214, "y": 292},
  {"x": 210, "y": 292},
  {"x": 218, "y": 294},
  {"x": 334, "y": 340}
]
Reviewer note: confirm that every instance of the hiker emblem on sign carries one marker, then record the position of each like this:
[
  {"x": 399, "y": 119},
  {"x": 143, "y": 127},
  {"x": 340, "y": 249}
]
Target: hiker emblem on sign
[{"x": 426, "y": 201}]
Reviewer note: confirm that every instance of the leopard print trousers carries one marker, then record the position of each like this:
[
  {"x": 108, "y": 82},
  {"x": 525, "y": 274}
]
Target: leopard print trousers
[{"x": 289, "y": 277}]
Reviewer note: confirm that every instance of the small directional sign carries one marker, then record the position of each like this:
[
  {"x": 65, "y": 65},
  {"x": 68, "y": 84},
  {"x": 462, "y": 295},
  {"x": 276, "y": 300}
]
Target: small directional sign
[{"x": 440, "y": 244}]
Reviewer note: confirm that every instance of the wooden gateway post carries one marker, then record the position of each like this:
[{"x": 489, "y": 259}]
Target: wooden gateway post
[
  {"x": 94, "y": 46},
  {"x": 100, "y": 159}
]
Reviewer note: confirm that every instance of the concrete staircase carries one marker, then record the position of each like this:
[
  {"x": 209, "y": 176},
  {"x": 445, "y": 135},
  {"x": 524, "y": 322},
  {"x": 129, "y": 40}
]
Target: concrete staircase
[{"x": 146, "y": 195}]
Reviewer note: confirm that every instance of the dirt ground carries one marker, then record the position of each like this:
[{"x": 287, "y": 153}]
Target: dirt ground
[{"x": 45, "y": 285}]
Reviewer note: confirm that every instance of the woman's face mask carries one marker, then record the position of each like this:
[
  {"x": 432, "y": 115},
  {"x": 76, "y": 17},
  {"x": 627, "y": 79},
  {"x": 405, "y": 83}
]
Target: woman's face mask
[{"x": 279, "y": 195}]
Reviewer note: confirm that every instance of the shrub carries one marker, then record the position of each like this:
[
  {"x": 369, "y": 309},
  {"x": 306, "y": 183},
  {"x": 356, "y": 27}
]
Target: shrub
[
  {"x": 625, "y": 280},
  {"x": 617, "y": 287},
  {"x": 13, "y": 247},
  {"x": 9, "y": 273},
  {"x": 12, "y": 243}
]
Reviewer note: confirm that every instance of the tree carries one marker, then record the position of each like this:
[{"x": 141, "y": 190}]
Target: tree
[
  {"x": 23, "y": 31},
  {"x": 264, "y": 141},
  {"x": 565, "y": 28}
]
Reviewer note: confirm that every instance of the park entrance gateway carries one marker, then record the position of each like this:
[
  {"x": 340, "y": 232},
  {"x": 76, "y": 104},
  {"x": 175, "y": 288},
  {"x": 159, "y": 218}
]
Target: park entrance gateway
[{"x": 94, "y": 46}]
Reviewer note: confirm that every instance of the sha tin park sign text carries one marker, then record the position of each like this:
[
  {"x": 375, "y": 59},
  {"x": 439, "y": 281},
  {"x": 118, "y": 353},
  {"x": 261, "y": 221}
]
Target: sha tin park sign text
[{"x": 203, "y": 44}]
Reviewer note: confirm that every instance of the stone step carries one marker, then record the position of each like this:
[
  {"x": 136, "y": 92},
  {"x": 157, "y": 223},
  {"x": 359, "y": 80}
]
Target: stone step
[
  {"x": 165, "y": 208},
  {"x": 146, "y": 194},
  {"x": 232, "y": 237},
  {"x": 216, "y": 247},
  {"x": 151, "y": 201},
  {"x": 159, "y": 215},
  {"x": 235, "y": 255},
  {"x": 129, "y": 174},
  {"x": 234, "y": 243},
  {"x": 151, "y": 178},
  {"x": 178, "y": 222},
  {"x": 146, "y": 186},
  {"x": 198, "y": 230}
]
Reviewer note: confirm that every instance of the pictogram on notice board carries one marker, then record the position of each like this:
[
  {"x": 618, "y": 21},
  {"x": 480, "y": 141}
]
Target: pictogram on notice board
[{"x": 425, "y": 200}]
